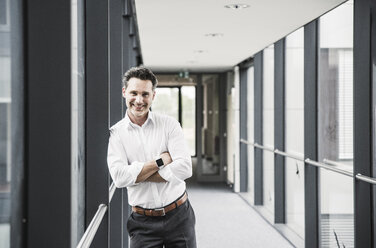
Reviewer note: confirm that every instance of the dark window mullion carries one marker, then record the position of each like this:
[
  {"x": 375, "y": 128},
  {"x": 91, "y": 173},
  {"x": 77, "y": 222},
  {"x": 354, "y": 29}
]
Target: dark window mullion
[
  {"x": 364, "y": 38},
  {"x": 180, "y": 109},
  {"x": 258, "y": 128},
  {"x": 279, "y": 130},
  {"x": 311, "y": 200}
]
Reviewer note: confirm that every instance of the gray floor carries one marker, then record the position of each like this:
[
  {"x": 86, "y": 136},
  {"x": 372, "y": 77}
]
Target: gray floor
[{"x": 223, "y": 219}]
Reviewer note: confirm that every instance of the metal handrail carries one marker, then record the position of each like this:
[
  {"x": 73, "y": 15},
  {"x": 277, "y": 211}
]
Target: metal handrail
[
  {"x": 365, "y": 178},
  {"x": 264, "y": 147},
  {"x": 327, "y": 167},
  {"x": 257, "y": 145},
  {"x": 311, "y": 162},
  {"x": 288, "y": 155},
  {"x": 246, "y": 142},
  {"x": 90, "y": 232},
  {"x": 111, "y": 191},
  {"x": 335, "y": 163},
  {"x": 272, "y": 150}
]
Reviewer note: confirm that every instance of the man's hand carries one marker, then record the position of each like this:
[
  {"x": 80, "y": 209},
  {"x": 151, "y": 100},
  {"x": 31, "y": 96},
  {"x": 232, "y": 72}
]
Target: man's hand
[{"x": 166, "y": 158}]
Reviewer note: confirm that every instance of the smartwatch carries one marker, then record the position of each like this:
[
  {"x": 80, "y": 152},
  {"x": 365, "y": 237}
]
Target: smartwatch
[{"x": 159, "y": 162}]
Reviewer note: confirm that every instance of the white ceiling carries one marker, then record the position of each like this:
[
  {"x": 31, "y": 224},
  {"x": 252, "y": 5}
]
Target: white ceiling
[{"x": 173, "y": 32}]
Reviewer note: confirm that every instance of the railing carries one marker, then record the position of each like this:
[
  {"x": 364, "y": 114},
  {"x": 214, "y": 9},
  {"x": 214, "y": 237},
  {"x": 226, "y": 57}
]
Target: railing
[
  {"x": 90, "y": 232},
  {"x": 111, "y": 192},
  {"x": 365, "y": 178},
  {"x": 327, "y": 164}
]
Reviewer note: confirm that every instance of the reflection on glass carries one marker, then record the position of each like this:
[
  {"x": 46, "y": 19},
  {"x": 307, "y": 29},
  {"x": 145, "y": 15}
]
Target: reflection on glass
[
  {"x": 77, "y": 120},
  {"x": 232, "y": 95},
  {"x": 166, "y": 101},
  {"x": 294, "y": 131},
  {"x": 250, "y": 131},
  {"x": 188, "y": 94},
  {"x": 335, "y": 125},
  {"x": 5, "y": 124},
  {"x": 210, "y": 129},
  {"x": 268, "y": 128}
]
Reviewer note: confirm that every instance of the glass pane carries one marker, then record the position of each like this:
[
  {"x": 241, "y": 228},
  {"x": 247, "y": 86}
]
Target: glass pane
[
  {"x": 210, "y": 129},
  {"x": 188, "y": 94},
  {"x": 5, "y": 124},
  {"x": 232, "y": 106},
  {"x": 250, "y": 132},
  {"x": 335, "y": 125},
  {"x": 166, "y": 101},
  {"x": 268, "y": 128},
  {"x": 77, "y": 121},
  {"x": 294, "y": 131},
  {"x": 337, "y": 210}
]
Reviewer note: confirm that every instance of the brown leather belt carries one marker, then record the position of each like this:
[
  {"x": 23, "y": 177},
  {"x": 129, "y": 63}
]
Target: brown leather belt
[{"x": 161, "y": 211}]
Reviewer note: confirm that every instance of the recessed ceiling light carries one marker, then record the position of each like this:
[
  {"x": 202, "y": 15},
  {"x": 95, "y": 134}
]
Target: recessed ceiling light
[
  {"x": 214, "y": 35},
  {"x": 199, "y": 51},
  {"x": 237, "y": 6}
]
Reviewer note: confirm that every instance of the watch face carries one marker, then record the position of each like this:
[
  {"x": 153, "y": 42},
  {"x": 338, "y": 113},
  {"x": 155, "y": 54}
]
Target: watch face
[{"x": 159, "y": 162}]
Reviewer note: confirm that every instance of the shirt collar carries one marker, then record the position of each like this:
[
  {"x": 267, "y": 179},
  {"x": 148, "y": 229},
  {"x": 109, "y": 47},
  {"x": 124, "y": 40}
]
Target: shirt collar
[{"x": 131, "y": 124}]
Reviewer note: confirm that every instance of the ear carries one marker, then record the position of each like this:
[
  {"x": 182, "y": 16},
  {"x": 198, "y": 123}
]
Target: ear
[
  {"x": 154, "y": 94},
  {"x": 123, "y": 91}
]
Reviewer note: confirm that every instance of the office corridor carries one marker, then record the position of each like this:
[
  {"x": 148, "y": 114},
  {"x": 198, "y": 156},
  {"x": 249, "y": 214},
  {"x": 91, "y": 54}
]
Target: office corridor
[
  {"x": 275, "y": 98},
  {"x": 224, "y": 219}
]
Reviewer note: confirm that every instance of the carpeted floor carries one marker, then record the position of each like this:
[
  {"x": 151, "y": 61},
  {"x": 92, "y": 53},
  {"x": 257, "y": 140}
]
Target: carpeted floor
[{"x": 223, "y": 219}]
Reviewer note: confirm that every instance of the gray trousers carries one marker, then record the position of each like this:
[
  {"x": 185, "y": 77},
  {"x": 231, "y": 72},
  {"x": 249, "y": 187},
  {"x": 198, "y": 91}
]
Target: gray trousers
[{"x": 175, "y": 229}]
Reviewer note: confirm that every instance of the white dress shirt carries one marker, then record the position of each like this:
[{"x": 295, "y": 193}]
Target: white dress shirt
[{"x": 130, "y": 146}]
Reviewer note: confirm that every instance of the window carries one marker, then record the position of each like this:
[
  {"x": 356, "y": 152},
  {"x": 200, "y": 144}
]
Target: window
[
  {"x": 167, "y": 102},
  {"x": 335, "y": 125},
  {"x": 5, "y": 124},
  {"x": 294, "y": 131},
  {"x": 188, "y": 94}
]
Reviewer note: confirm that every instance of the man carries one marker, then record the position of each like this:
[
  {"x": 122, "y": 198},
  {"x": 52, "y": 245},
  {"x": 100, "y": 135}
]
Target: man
[{"x": 147, "y": 154}]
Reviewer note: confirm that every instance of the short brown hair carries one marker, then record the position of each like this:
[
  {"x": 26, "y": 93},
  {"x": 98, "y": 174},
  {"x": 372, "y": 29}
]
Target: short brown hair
[{"x": 142, "y": 73}]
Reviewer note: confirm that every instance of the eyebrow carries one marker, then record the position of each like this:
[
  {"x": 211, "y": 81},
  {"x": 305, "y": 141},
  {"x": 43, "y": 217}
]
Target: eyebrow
[{"x": 143, "y": 92}]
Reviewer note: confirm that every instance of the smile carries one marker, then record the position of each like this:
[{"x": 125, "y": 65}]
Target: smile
[{"x": 138, "y": 108}]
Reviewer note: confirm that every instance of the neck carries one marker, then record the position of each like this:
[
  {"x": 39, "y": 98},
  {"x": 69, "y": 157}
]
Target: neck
[{"x": 138, "y": 120}]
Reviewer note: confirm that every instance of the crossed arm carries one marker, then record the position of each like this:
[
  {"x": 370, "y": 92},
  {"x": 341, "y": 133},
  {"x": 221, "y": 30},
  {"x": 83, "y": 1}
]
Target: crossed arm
[
  {"x": 125, "y": 175},
  {"x": 149, "y": 172}
]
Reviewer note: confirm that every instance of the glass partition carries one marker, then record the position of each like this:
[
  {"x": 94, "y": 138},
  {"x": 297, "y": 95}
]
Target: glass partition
[
  {"x": 335, "y": 125},
  {"x": 294, "y": 131},
  {"x": 188, "y": 94},
  {"x": 5, "y": 123},
  {"x": 232, "y": 114},
  {"x": 166, "y": 101},
  {"x": 210, "y": 129}
]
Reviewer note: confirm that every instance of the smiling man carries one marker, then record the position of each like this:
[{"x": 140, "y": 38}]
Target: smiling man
[{"x": 147, "y": 154}]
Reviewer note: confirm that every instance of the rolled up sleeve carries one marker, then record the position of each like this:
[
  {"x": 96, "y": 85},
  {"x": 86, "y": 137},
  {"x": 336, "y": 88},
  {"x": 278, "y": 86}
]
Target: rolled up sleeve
[
  {"x": 122, "y": 173},
  {"x": 181, "y": 167},
  {"x": 166, "y": 173}
]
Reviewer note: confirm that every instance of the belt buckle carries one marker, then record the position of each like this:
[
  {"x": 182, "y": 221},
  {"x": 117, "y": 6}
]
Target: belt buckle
[{"x": 161, "y": 209}]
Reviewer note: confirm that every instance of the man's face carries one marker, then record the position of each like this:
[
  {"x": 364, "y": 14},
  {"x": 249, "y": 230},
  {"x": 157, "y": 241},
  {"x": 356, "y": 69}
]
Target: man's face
[{"x": 139, "y": 96}]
